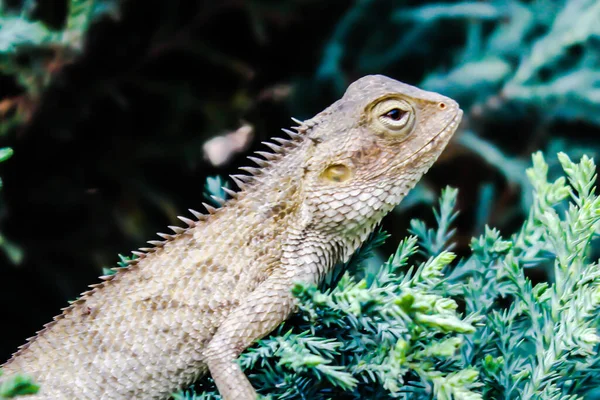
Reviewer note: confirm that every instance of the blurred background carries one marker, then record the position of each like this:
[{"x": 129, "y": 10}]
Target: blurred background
[{"x": 119, "y": 111}]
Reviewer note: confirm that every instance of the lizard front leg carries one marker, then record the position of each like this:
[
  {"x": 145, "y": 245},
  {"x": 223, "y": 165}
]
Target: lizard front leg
[{"x": 271, "y": 303}]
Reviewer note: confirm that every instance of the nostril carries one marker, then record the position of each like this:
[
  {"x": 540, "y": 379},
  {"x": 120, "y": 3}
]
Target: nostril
[{"x": 442, "y": 106}]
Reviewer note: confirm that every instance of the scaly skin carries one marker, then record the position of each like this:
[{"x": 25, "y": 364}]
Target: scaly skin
[{"x": 193, "y": 303}]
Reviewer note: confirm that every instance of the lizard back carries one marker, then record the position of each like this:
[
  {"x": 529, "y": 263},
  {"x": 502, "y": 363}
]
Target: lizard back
[{"x": 150, "y": 322}]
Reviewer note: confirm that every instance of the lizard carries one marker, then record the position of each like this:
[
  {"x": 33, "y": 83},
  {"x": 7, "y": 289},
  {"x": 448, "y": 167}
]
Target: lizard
[{"x": 191, "y": 303}]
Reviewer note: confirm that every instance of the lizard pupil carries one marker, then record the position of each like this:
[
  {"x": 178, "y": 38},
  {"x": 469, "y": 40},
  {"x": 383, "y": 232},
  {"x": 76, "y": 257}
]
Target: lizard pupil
[{"x": 395, "y": 114}]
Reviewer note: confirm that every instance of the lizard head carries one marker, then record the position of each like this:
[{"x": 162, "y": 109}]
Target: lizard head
[{"x": 369, "y": 149}]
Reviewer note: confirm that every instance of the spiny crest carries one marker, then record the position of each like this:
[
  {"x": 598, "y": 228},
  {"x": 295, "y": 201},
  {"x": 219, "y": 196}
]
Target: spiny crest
[
  {"x": 279, "y": 150},
  {"x": 199, "y": 216},
  {"x": 211, "y": 210},
  {"x": 242, "y": 181},
  {"x": 65, "y": 311},
  {"x": 230, "y": 192},
  {"x": 178, "y": 229},
  {"x": 190, "y": 223}
]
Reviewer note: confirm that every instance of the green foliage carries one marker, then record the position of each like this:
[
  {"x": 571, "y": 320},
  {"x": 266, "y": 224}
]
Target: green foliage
[
  {"x": 19, "y": 31},
  {"x": 477, "y": 329},
  {"x": 562, "y": 61},
  {"x": 17, "y": 385},
  {"x": 544, "y": 344},
  {"x": 47, "y": 50},
  {"x": 191, "y": 395},
  {"x": 525, "y": 72},
  {"x": 531, "y": 67},
  {"x": 123, "y": 262},
  {"x": 213, "y": 190},
  {"x": 10, "y": 249}
]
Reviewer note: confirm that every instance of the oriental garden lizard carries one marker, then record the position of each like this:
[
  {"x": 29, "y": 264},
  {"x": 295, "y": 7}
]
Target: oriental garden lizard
[{"x": 192, "y": 303}]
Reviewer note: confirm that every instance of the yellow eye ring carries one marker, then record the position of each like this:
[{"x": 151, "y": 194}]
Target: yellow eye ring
[{"x": 337, "y": 173}]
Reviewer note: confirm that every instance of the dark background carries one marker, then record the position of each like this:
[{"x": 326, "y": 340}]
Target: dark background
[{"x": 108, "y": 151}]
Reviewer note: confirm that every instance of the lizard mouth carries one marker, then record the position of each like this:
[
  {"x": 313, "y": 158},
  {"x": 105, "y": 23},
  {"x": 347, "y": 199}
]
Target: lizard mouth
[
  {"x": 444, "y": 133},
  {"x": 448, "y": 129}
]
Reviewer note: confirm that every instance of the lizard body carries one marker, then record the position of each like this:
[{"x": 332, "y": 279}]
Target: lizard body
[{"x": 191, "y": 304}]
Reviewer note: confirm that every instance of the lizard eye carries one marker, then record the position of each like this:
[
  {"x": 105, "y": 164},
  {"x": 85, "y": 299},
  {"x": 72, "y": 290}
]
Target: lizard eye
[
  {"x": 393, "y": 116},
  {"x": 396, "y": 115}
]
